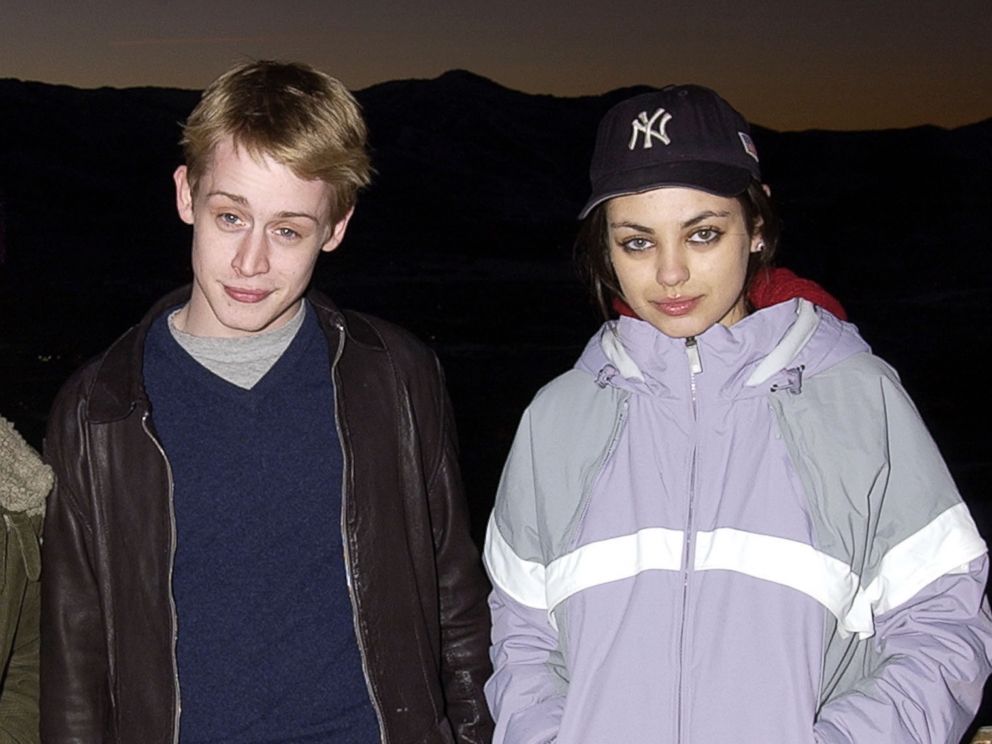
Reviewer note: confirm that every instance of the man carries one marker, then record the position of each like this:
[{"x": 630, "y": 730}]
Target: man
[{"x": 257, "y": 531}]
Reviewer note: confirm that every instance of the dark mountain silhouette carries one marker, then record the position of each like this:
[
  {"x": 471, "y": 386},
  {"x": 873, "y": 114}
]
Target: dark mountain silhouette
[{"x": 466, "y": 236}]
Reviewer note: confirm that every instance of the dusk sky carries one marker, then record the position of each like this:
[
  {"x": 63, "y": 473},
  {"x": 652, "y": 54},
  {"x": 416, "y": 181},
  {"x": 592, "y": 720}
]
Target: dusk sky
[{"x": 786, "y": 64}]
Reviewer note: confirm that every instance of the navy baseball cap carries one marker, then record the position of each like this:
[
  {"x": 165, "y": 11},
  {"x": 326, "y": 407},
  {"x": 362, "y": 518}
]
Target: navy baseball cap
[{"x": 681, "y": 135}]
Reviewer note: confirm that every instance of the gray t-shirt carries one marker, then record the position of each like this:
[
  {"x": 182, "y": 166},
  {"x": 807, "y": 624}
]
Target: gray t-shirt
[{"x": 242, "y": 360}]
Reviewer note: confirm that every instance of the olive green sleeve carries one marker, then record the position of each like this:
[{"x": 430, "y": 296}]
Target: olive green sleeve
[{"x": 21, "y": 603}]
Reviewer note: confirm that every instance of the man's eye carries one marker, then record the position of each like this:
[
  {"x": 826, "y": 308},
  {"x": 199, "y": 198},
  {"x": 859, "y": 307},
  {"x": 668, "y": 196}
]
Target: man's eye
[
  {"x": 230, "y": 219},
  {"x": 287, "y": 233}
]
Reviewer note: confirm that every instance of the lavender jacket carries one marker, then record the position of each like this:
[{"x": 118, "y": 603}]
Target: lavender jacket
[{"x": 708, "y": 542}]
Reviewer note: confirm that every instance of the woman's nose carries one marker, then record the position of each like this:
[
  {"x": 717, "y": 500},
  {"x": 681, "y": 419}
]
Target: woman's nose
[{"x": 671, "y": 268}]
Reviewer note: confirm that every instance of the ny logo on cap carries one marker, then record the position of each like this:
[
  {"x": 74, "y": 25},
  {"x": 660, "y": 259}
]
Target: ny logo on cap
[{"x": 652, "y": 129}]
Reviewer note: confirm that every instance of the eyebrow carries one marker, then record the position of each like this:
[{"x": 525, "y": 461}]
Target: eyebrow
[
  {"x": 688, "y": 223},
  {"x": 238, "y": 199}
]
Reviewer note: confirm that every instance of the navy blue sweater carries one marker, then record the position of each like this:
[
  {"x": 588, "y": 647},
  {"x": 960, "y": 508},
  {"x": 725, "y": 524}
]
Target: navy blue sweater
[{"x": 266, "y": 647}]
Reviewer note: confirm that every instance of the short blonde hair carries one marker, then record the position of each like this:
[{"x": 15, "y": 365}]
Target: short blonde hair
[{"x": 298, "y": 116}]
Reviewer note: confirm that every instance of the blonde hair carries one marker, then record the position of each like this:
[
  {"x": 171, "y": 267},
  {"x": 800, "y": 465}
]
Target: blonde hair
[{"x": 298, "y": 116}]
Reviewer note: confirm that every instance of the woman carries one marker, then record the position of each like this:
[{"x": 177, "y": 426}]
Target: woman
[
  {"x": 24, "y": 484},
  {"x": 723, "y": 525}
]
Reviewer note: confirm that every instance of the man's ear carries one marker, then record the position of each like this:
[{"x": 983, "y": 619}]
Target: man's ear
[
  {"x": 184, "y": 195},
  {"x": 337, "y": 232}
]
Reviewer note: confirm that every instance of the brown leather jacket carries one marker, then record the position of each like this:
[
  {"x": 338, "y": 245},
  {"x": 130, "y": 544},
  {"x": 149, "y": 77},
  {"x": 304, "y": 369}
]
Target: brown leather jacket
[{"x": 108, "y": 668}]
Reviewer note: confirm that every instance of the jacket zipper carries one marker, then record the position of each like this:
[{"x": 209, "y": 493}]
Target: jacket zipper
[
  {"x": 618, "y": 424},
  {"x": 615, "y": 436},
  {"x": 172, "y": 564},
  {"x": 346, "y": 462},
  {"x": 695, "y": 367}
]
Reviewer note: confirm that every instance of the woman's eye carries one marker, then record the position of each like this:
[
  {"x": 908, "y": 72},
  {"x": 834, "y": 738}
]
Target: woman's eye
[
  {"x": 704, "y": 235},
  {"x": 635, "y": 245}
]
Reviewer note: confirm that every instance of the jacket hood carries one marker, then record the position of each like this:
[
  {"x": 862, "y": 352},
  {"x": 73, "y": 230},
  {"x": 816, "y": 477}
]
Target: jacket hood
[
  {"x": 772, "y": 349},
  {"x": 24, "y": 479}
]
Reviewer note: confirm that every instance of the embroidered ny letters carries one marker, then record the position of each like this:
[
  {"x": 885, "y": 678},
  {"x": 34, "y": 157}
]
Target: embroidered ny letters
[{"x": 653, "y": 128}]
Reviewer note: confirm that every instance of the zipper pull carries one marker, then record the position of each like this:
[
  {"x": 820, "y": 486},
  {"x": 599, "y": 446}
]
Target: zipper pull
[{"x": 692, "y": 351}]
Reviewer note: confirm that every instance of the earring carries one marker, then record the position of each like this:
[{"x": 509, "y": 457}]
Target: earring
[{"x": 760, "y": 247}]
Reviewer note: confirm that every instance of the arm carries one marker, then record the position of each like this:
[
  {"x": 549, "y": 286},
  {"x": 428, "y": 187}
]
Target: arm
[
  {"x": 462, "y": 592},
  {"x": 916, "y": 672},
  {"x": 935, "y": 652},
  {"x": 24, "y": 483},
  {"x": 525, "y": 694},
  {"x": 74, "y": 666},
  {"x": 527, "y": 690},
  {"x": 19, "y": 693}
]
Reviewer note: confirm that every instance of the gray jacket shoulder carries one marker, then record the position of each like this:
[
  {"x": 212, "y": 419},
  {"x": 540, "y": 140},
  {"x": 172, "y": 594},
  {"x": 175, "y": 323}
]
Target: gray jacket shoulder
[
  {"x": 861, "y": 447},
  {"x": 563, "y": 438}
]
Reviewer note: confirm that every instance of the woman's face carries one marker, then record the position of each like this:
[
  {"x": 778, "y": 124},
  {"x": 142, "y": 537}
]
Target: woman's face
[{"x": 681, "y": 257}]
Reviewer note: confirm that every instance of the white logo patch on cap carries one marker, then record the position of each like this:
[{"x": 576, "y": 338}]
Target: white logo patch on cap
[
  {"x": 749, "y": 147},
  {"x": 652, "y": 128}
]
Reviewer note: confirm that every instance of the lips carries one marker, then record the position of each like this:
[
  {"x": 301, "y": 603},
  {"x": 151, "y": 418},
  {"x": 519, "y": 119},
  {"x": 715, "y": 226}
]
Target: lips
[
  {"x": 676, "y": 308},
  {"x": 250, "y": 296}
]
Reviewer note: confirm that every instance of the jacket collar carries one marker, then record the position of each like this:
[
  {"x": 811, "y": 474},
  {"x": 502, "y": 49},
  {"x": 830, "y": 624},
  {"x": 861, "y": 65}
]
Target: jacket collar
[
  {"x": 749, "y": 358},
  {"x": 24, "y": 479},
  {"x": 118, "y": 385}
]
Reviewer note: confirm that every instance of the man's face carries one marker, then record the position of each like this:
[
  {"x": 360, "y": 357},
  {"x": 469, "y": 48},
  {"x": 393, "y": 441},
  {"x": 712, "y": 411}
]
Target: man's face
[{"x": 257, "y": 231}]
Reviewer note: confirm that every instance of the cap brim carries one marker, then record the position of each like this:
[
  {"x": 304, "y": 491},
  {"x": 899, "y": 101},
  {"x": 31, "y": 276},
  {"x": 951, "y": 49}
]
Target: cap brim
[{"x": 713, "y": 178}]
